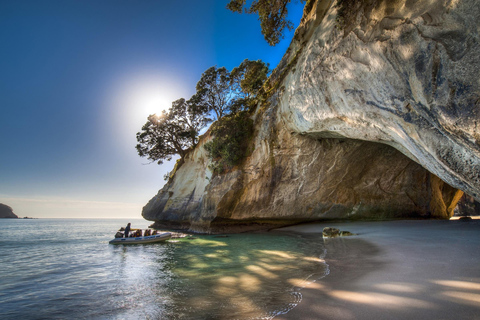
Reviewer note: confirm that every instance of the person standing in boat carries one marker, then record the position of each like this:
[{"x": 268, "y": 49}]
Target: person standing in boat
[{"x": 127, "y": 230}]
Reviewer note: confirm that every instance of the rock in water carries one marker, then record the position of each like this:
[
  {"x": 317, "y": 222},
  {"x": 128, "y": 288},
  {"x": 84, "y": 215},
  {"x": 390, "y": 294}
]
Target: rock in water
[
  {"x": 329, "y": 232},
  {"x": 372, "y": 113},
  {"x": 7, "y": 212}
]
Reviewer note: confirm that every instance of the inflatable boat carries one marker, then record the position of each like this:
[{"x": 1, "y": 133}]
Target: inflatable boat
[{"x": 140, "y": 240}]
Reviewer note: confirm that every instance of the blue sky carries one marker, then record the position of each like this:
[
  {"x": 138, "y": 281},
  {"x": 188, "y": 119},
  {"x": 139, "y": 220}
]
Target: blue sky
[{"x": 79, "y": 78}]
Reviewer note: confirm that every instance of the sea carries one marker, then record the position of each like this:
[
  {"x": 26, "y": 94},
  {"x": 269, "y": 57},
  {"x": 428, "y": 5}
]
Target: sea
[{"x": 66, "y": 269}]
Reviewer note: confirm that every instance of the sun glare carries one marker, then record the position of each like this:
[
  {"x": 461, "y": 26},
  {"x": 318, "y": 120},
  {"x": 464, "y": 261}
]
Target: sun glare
[
  {"x": 137, "y": 96},
  {"x": 149, "y": 101},
  {"x": 143, "y": 95}
]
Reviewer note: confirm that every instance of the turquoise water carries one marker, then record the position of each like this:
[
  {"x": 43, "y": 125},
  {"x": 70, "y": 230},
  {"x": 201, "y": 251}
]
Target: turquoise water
[{"x": 62, "y": 268}]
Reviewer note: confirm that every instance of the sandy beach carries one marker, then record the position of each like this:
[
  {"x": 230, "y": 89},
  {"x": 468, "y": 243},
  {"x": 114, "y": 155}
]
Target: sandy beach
[{"x": 396, "y": 270}]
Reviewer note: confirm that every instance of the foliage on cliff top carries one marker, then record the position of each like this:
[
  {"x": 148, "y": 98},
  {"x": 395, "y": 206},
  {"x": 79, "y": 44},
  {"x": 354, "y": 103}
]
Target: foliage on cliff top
[
  {"x": 172, "y": 132},
  {"x": 229, "y": 146},
  {"x": 249, "y": 77},
  {"x": 219, "y": 93},
  {"x": 232, "y": 133},
  {"x": 271, "y": 13},
  {"x": 214, "y": 91},
  {"x": 223, "y": 92}
]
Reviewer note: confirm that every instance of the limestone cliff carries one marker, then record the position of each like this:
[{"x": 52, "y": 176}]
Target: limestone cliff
[
  {"x": 403, "y": 73},
  {"x": 6, "y": 212},
  {"x": 372, "y": 113}
]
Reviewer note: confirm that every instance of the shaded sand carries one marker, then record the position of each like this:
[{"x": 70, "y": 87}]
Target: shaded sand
[{"x": 396, "y": 270}]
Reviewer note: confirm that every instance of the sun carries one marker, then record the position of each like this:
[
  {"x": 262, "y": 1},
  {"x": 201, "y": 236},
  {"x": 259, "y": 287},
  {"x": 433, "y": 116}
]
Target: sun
[
  {"x": 143, "y": 95},
  {"x": 136, "y": 96},
  {"x": 150, "y": 101}
]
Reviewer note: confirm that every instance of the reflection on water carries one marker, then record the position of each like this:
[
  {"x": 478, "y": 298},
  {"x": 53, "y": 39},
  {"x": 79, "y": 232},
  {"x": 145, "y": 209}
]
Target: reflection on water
[
  {"x": 242, "y": 276},
  {"x": 58, "y": 269}
]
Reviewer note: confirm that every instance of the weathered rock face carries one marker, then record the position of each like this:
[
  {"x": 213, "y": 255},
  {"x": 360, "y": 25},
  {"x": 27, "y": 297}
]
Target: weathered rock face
[
  {"x": 6, "y": 212},
  {"x": 467, "y": 206},
  {"x": 401, "y": 75},
  {"x": 180, "y": 199},
  {"x": 291, "y": 178}
]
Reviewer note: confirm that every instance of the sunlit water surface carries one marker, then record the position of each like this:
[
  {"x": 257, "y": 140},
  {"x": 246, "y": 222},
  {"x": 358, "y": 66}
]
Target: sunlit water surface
[{"x": 58, "y": 269}]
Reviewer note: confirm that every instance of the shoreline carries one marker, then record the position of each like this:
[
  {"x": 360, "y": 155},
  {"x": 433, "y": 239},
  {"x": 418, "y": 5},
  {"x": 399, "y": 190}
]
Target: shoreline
[{"x": 408, "y": 269}]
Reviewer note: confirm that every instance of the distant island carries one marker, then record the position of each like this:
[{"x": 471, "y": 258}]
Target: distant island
[{"x": 6, "y": 212}]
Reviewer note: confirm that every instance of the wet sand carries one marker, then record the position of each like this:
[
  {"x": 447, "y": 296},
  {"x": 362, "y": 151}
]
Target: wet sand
[{"x": 396, "y": 270}]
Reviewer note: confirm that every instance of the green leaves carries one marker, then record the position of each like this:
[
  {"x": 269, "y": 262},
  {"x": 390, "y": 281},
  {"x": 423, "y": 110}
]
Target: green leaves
[
  {"x": 223, "y": 92},
  {"x": 214, "y": 92},
  {"x": 229, "y": 146},
  {"x": 171, "y": 133},
  {"x": 220, "y": 92},
  {"x": 271, "y": 13},
  {"x": 236, "y": 5},
  {"x": 233, "y": 129},
  {"x": 249, "y": 77}
]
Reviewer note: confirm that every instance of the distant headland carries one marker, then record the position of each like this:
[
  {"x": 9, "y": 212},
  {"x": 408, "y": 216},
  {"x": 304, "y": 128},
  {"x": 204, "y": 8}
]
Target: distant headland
[{"x": 7, "y": 212}]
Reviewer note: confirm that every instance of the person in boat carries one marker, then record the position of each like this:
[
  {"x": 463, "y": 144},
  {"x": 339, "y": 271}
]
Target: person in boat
[
  {"x": 127, "y": 230},
  {"x": 138, "y": 233},
  {"x": 147, "y": 233}
]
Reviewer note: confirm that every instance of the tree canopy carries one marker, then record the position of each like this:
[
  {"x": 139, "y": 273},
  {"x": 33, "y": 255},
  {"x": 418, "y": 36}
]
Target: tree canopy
[
  {"x": 214, "y": 91},
  {"x": 224, "y": 92},
  {"x": 249, "y": 77},
  {"x": 190, "y": 117},
  {"x": 271, "y": 13},
  {"x": 172, "y": 132},
  {"x": 218, "y": 92},
  {"x": 159, "y": 139}
]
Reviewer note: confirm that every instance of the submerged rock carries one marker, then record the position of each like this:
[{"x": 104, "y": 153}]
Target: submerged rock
[{"x": 330, "y": 232}]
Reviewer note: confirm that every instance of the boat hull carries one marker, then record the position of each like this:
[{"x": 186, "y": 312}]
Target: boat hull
[{"x": 142, "y": 240}]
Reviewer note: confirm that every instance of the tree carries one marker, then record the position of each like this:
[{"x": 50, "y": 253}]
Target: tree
[
  {"x": 190, "y": 116},
  {"x": 160, "y": 139},
  {"x": 172, "y": 132},
  {"x": 214, "y": 92},
  {"x": 249, "y": 76},
  {"x": 246, "y": 80},
  {"x": 222, "y": 92},
  {"x": 271, "y": 13},
  {"x": 218, "y": 90}
]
